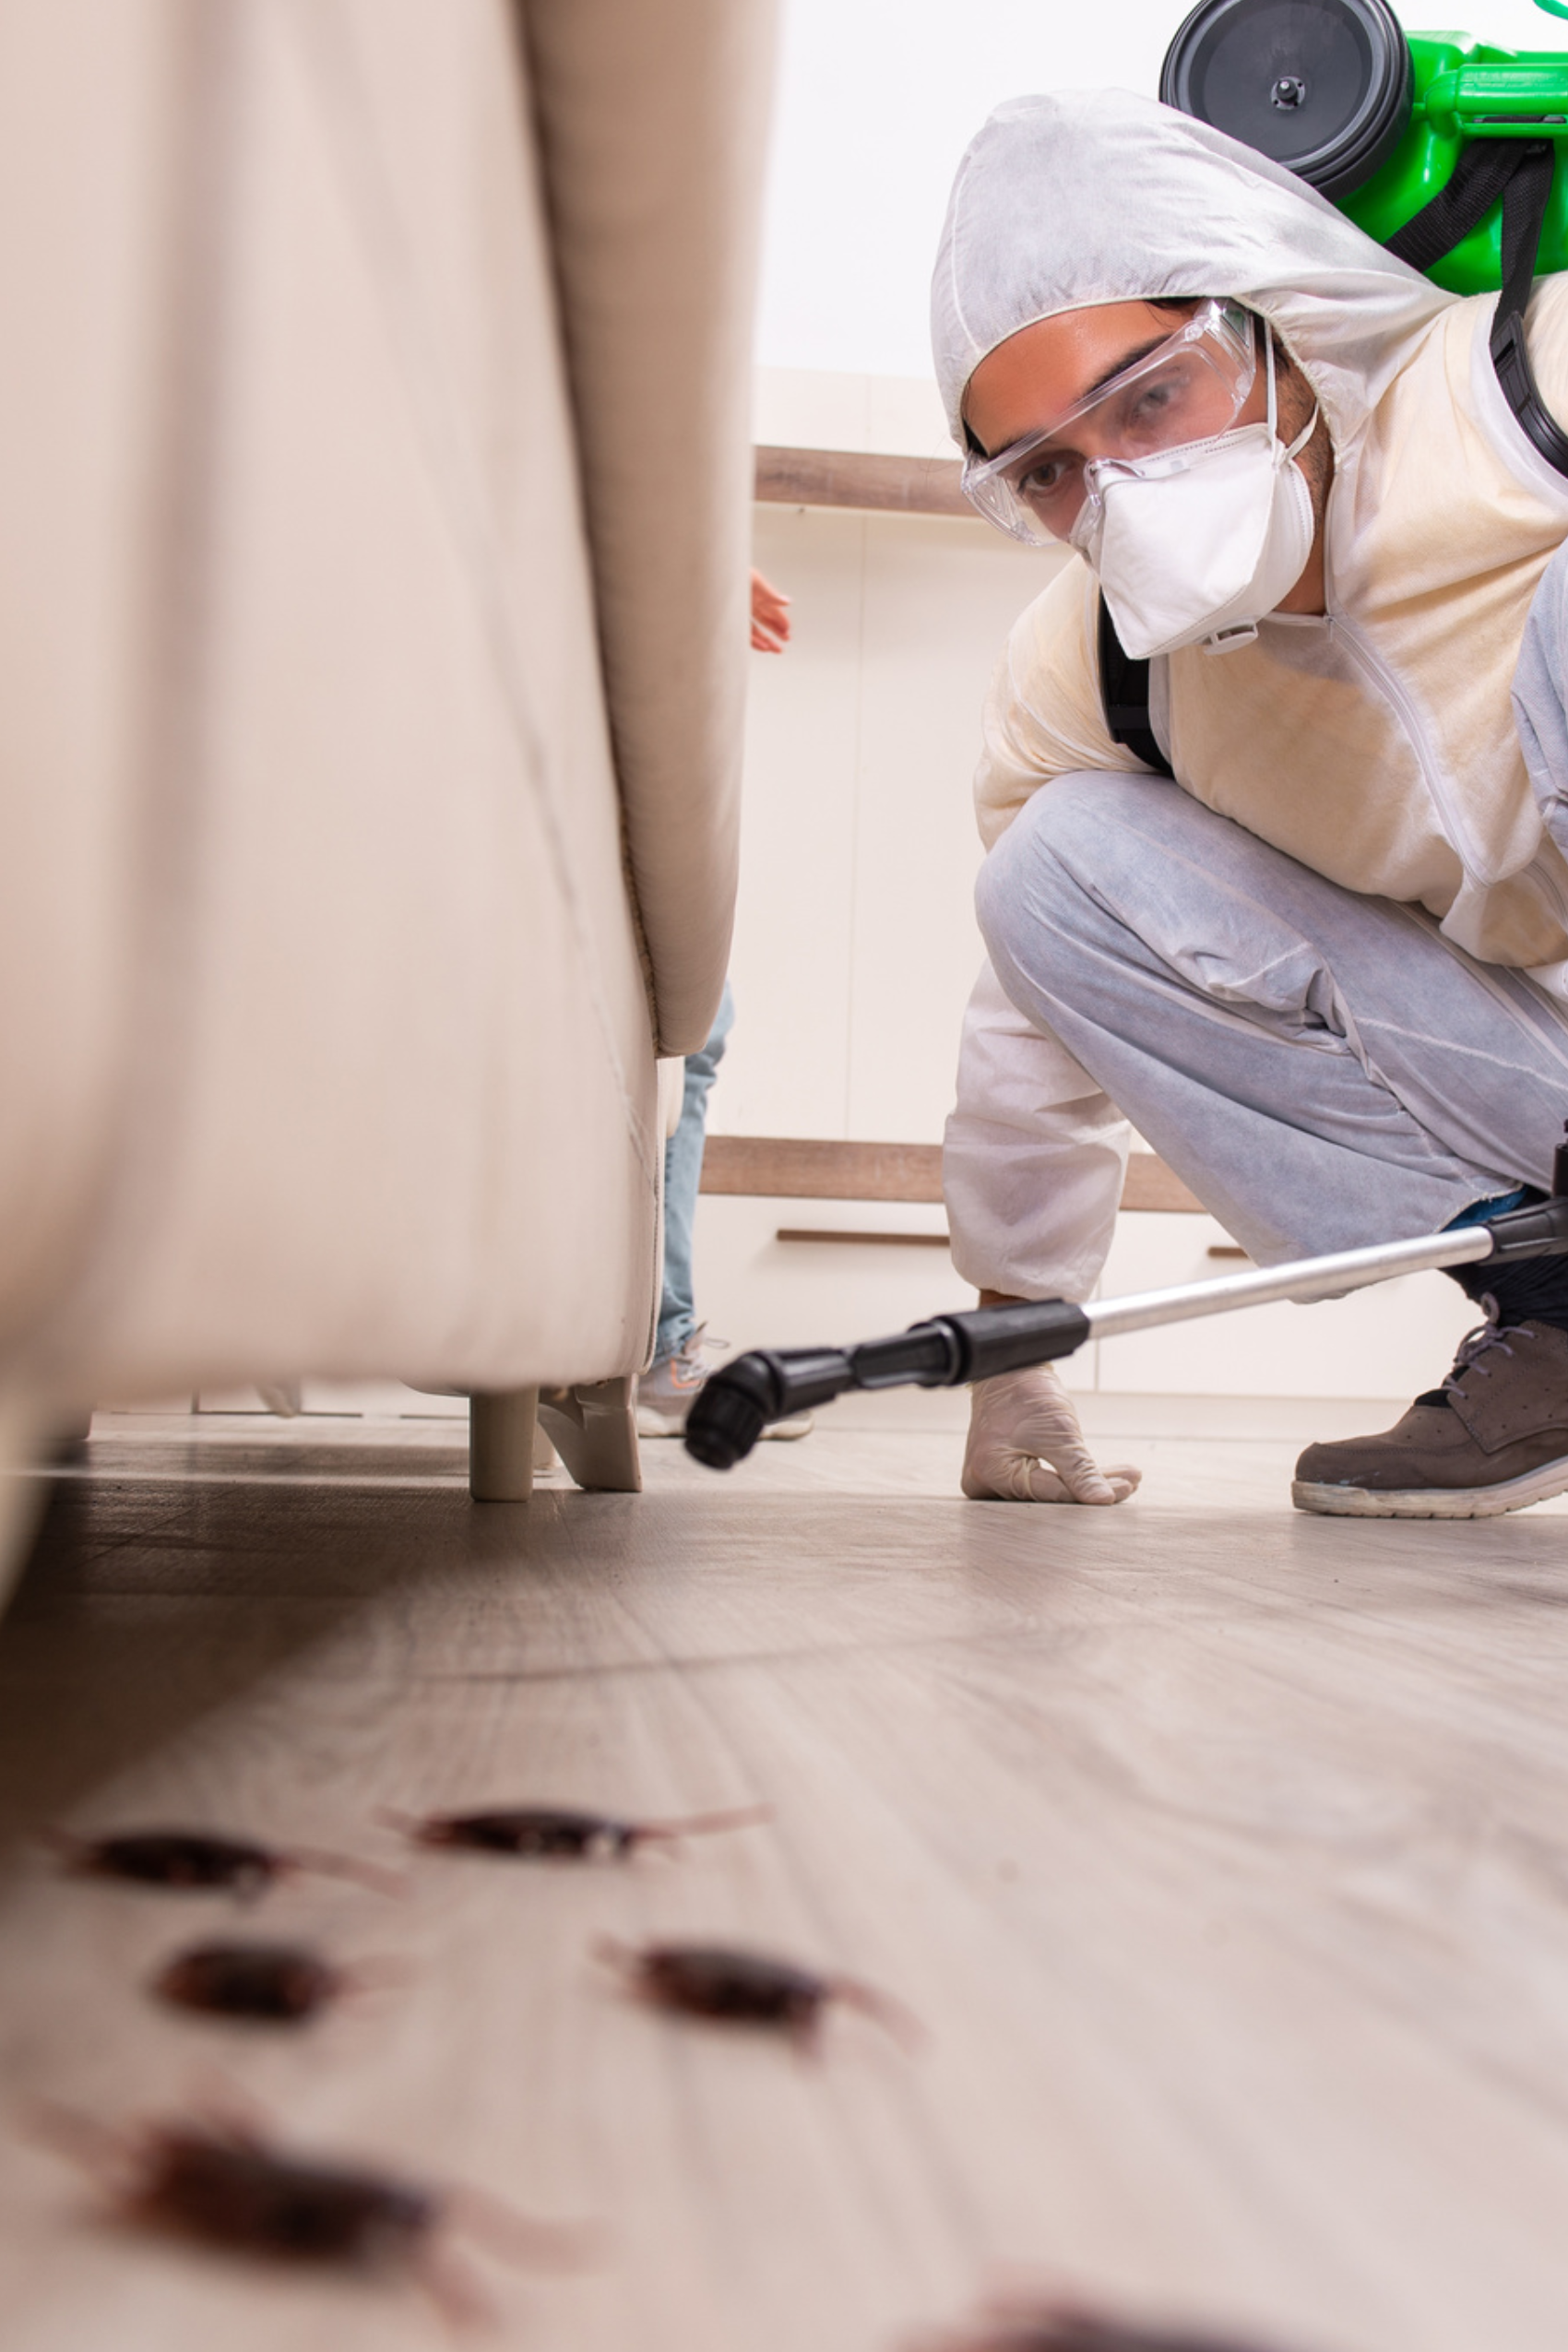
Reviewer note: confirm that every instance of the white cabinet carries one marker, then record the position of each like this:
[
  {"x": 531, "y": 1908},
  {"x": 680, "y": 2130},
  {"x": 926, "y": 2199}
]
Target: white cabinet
[{"x": 855, "y": 938}]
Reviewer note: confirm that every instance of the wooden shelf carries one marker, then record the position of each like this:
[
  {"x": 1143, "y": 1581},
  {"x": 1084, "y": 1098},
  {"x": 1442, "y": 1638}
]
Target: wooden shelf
[
  {"x": 879, "y": 1240},
  {"x": 856, "y": 478},
  {"x": 819, "y": 1168}
]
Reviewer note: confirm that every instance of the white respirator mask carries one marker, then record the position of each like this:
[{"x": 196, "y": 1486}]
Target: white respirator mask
[{"x": 1199, "y": 542}]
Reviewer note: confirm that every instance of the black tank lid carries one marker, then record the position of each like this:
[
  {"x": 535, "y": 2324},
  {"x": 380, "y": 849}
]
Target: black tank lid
[{"x": 1321, "y": 86}]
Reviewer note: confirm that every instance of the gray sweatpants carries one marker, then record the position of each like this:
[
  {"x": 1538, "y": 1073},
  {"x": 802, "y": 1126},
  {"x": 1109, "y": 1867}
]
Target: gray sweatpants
[{"x": 1323, "y": 1069}]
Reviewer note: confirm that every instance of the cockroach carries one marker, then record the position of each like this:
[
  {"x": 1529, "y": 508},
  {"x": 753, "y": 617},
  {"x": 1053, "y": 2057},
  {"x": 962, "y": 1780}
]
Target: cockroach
[
  {"x": 1062, "y": 2327},
  {"x": 557, "y": 1834},
  {"x": 222, "y": 2184},
  {"x": 280, "y": 1984},
  {"x": 197, "y": 1861},
  {"x": 749, "y": 1988}
]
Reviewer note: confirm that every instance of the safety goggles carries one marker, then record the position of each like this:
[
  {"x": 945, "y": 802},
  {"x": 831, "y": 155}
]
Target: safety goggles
[{"x": 1190, "y": 388}]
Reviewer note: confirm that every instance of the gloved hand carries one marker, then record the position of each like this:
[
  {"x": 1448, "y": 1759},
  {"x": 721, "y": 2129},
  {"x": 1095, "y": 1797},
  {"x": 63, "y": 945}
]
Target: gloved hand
[{"x": 1018, "y": 1423}]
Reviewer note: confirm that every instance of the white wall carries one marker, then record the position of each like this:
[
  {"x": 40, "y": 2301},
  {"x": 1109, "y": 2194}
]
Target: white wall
[{"x": 877, "y": 100}]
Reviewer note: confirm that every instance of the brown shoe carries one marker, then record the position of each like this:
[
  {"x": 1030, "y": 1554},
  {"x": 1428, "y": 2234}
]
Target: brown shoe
[{"x": 1491, "y": 1439}]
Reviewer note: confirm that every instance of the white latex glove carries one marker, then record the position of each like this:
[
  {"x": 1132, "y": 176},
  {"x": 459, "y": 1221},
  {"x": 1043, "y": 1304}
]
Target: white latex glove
[{"x": 1021, "y": 1422}]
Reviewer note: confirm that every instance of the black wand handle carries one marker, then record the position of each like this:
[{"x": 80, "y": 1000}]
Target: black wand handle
[{"x": 734, "y": 1406}]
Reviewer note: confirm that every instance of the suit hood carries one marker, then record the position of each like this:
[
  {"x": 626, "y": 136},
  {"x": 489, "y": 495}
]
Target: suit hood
[{"x": 1103, "y": 196}]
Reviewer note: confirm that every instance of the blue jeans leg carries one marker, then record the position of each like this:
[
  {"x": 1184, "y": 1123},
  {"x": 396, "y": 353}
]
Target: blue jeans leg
[{"x": 682, "y": 1175}]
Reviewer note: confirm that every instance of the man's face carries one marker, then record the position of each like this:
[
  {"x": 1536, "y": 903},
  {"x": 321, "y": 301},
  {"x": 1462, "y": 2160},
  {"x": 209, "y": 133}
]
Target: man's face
[{"x": 1045, "y": 370}]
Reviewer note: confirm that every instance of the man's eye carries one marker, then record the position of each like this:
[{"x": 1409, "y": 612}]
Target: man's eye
[
  {"x": 1047, "y": 476},
  {"x": 1154, "y": 402},
  {"x": 1154, "y": 406}
]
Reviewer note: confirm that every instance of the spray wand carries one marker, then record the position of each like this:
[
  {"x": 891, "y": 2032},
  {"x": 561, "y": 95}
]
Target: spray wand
[{"x": 737, "y": 1403}]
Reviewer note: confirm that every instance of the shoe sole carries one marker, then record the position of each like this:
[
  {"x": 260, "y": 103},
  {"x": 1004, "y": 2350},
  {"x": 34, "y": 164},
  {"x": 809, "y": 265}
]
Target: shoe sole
[
  {"x": 652, "y": 1424},
  {"x": 1431, "y": 1503}
]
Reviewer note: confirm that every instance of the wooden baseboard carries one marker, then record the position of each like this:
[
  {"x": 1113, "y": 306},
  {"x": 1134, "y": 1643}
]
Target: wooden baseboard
[
  {"x": 864, "y": 1238},
  {"x": 818, "y": 1169},
  {"x": 788, "y": 477},
  {"x": 815, "y": 1169}
]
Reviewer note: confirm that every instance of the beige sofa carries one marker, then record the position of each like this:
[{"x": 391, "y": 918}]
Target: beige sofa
[{"x": 373, "y": 481}]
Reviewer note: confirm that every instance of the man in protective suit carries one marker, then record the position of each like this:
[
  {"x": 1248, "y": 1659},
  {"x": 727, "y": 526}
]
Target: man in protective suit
[{"x": 1321, "y": 965}]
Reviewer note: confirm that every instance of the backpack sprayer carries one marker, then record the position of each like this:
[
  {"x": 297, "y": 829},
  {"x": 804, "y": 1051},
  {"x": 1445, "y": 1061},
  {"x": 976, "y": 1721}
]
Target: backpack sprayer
[
  {"x": 733, "y": 1408},
  {"x": 1442, "y": 147},
  {"x": 1386, "y": 124},
  {"x": 1445, "y": 149}
]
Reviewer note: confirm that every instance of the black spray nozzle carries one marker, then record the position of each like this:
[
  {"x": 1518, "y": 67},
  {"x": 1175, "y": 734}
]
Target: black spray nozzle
[
  {"x": 734, "y": 1406},
  {"x": 1560, "y": 1167},
  {"x": 727, "y": 1417}
]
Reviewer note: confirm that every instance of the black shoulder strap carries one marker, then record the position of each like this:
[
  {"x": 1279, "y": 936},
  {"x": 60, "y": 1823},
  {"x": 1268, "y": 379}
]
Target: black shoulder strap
[
  {"x": 1482, "y": 171},
  {"x": 1520, "y": 171},
  {"x": 1123, "y": 691},
  {"x": 1525, "y": 200}
]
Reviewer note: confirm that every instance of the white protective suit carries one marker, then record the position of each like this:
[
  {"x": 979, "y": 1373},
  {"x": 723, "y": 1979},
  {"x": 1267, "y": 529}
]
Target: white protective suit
[{"x": 1376, "y": 745}]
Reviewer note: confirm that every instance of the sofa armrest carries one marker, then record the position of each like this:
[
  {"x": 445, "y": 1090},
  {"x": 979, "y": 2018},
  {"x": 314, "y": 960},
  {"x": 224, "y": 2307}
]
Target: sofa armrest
[{"x": 652, "y": 130}]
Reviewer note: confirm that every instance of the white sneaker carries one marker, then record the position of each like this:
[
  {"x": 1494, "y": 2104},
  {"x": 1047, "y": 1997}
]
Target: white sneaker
[{"x": 665, "y": 1392}]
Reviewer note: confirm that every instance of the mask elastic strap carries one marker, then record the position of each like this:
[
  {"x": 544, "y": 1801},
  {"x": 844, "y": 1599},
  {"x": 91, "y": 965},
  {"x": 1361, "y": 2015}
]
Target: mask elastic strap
[
  {"x": 1304, "y": 435},
  {"x": 1272, "y": 410},
  {"x": 1308, "y": 429}
]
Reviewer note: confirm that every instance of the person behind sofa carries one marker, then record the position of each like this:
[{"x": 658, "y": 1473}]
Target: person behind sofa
[
  {"x": 1323, "y": 970},
  {"x": 665, "y": 1391}
]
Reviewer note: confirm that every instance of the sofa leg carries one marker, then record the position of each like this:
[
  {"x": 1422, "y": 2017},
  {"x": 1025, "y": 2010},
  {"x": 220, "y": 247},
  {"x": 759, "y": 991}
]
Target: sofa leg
[
  {"x": 501, "y": 1445},
  {"x": 594, "y": 1429}
]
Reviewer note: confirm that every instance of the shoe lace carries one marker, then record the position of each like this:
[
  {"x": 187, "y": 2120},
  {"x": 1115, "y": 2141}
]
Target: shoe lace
[
  {"x": 1491, "y": 1334},
  {"x": 690, "y": 1353}
]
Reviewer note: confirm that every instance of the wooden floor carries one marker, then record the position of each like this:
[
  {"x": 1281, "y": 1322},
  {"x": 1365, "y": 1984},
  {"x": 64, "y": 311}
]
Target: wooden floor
[{"x": 1223, "y": 1852}]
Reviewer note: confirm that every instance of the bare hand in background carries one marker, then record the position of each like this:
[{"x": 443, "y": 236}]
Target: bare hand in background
[{"x": 770, "y": 616}]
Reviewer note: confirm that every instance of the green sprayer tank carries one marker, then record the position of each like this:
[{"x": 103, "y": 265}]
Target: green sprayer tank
[{"x": 1374, "y": 117}]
